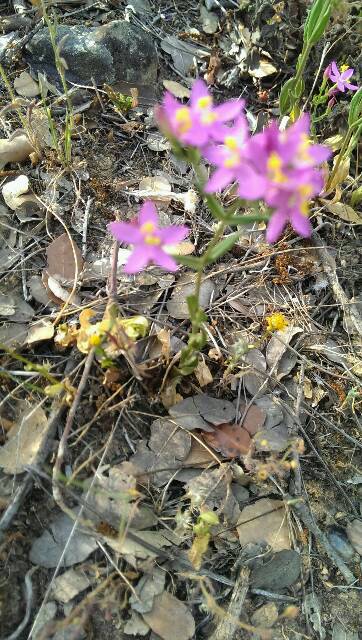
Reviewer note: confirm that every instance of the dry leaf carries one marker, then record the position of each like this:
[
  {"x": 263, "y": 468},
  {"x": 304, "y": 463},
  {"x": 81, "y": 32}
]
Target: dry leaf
[
  {"x": 341, "y": 174},
  {"x": 335, "y": 142},
  {"x": 56, "y": 292},
  {"x": 26, "y": 440},
  {"x": 25, "y": 86},
  {"x": 278, "y": 345},
  {"x": 199, "y": 411},
  {"x": 203, "y": 374},
  {"x": 230, "y": 440},
  {"x": 189, "y": 199},
  {"x": 265, "y": 68},
  {"x": 170, "y": 618},
  {"x": 264, "y": 521},
  {"x": 183, "y": 249},
  {"x": 15, "y": 193},
  {"x": 40, "y": 331},
  {"x": 177, "y": 89},
  {"x": 64, "y": 259},
  {"x": 343, "y": 211},
  {"x": 17, "y": 148}
]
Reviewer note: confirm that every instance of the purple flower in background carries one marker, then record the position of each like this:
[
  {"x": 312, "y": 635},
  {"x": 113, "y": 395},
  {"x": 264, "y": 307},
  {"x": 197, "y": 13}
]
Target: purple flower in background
[
  {"x": 341, "y": 77},
  {"x": 198, "y": 122},
  {"x": 149, "y": 239}
]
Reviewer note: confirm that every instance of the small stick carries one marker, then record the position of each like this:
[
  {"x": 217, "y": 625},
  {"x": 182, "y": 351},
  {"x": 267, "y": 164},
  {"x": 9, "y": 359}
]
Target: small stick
[
  {"x": 68, "y": 425},
  {"x": 85, "y": 226},
  {"x": 228, "y": 625},
  {"x": 303, "y": 512}
]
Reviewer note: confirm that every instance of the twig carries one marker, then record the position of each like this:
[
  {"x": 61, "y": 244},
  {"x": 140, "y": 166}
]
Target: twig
[
  {"x": 68, "y": 425},
  {"x": 228, "y": 625},
  {"x": 85, "y": 226},
  {"x": 349, "y": 309},
  {"x": 112, "y": 280},
  {"x": 28, "y": 588},
  {"x": 303, "y": 512}
]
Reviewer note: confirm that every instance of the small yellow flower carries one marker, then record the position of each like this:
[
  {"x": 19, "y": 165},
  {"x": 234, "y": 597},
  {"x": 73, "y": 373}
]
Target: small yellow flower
[
  {"x": 95, "y": 340},
  {"x": 276, "y": 322}
]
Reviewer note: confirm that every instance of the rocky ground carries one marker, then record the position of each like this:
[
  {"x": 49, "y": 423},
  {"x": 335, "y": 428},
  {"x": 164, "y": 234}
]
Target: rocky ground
[{"x": 135, "y": 503}]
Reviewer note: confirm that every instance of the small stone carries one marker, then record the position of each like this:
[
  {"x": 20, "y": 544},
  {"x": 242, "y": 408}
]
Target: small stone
[
  {"x": 280, "y": 572},
  {"x": 209, "y": 21},
  {"x": 265, "y": 616},
  {"x": 354, "y": 533},
  {"x": 114, "y": 52},
  {"x": 339, "y": 542},
  {"x": 47, "y": 613}
]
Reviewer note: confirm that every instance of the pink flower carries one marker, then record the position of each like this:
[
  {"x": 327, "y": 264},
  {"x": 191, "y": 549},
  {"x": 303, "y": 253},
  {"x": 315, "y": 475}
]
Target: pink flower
[
  {"x": 198, "y": 122},
  {"x": 340, "y": 78},
  {"x": 149, "y": 239},
  {"x": 231, "y": 160}
]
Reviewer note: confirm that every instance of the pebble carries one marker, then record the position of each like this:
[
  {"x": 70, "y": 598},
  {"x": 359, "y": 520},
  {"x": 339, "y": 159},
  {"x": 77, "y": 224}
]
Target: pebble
[
  {"x": 278, "y": 573},
  {"x": 339, "y": 542}
]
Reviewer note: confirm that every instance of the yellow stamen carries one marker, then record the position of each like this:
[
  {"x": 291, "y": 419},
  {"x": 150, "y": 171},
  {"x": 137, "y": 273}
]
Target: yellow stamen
[
  {"x": 274, "y": 165},
  {"x": 147, "y": 227},
  {"x": 183, "y": 118},
  {"x": 208, "y": 118},
  {"x": 344, "y": 67},
  {"x": 305, "y": 190},
  {"x": 152, "y": 240},
  {"x": 303, "y": 148},
  {"x": 304, "y": 209},
  {"x": 204, "y": 102},
  {"x": 231, "y": 143},
  {"x": 232, "y": 161}
]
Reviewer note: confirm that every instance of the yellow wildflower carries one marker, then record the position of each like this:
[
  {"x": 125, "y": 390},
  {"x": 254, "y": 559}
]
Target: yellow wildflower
[{"x": 276, "y": 322}]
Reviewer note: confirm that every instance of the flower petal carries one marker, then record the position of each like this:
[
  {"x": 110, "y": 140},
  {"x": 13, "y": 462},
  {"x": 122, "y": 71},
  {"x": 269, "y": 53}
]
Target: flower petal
[
  {"x": 148, "y": 213},
  {"x": 334, "y": 68},
  {"x": 161, "y": 258},
  {"x": 138, "y": 260},
  {"x": 340, "y": 85},
  {"x": 276, "y": 226},
  {"x": 173, "y": 234},
  {"x": 229, "y": 110},
  {"x": 301, "y": 224},
  {"x": 319, "y": 153},
  {"x": 347, "y": 74},
  {"x": 219, "y": 180},
  {"x": 199, "y": 90},
  {"x": 351, "y": 87},
  {"x": 125, "y": 232},
  {"x": 251, "y": 184}
]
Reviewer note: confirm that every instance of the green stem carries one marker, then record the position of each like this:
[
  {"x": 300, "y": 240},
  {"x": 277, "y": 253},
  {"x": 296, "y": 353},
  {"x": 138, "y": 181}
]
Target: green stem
[{"x": 33, "y": 367}]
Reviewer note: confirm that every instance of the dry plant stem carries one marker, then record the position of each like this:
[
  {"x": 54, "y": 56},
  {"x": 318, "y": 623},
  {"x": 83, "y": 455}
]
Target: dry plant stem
[
  {"x": 29, "y": 597},
  {"x": 349, "y": 309},
  {"x": 68, "y": 425},
  {"x": 112, "y": 282},
  {"x": 304, "y": 514},
  {"x": 228, "y": 626}
]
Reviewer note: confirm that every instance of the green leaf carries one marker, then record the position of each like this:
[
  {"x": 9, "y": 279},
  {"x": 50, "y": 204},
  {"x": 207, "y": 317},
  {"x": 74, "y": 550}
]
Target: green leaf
[
  {"x": 240, "y": 219},
  {"x": 356, "y": 197},
  {"x": 215, "y": 207},
  {"x": 317, "y": 20},
  {"x": 355, "y": 108},
  {"x": 222, "y": 247},
  {"x": 189, "y": 261}
]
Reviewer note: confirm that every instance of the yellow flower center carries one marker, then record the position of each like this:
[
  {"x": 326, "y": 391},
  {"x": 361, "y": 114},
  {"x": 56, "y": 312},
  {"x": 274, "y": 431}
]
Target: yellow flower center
[
  {"x": 305, "y": 190},
  {"x": 304, "y": 208},
  {"x": 147, "y": 227},
  {"x": 152, "y": 240},
  {"x": 232, "y": 161},
  {"x": 274, "y": 165},
  {"x": 231, "y": 143},
  {"x": 276, "y": 322},
  {"x": 204, "y": 102},
  {"x": 303, "y": 148},
  {"x": 344, "y": 67},
  {"x": 183, "y": 119}
]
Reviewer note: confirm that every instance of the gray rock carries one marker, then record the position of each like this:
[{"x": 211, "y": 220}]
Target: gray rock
[
  {"x": 280, "y": 572},
  {"x": 114, "y": 52},
  {"x": 339, "y": 541}
]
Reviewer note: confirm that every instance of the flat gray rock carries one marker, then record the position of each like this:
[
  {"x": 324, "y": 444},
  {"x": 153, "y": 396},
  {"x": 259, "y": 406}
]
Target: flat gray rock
[
  {"x": 114, "y": 52},
  {"x": 280, "y": 572}
]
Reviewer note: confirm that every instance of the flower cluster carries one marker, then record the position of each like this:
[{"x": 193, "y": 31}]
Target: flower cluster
[
  {"x": 279, "y": 167},
  {"x": 340, "y": 77}
]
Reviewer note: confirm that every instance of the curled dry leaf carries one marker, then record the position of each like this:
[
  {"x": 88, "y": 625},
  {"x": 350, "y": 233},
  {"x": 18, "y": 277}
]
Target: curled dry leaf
[
  {"x": 39, "y": 331},
  {"x": 343, "y": 211},
  {"x": 64, "y": 259},
  {"x": 17, "y": 148},
  {"x": 25, "y": 86},
  {"x": 177, "y": 89},
  {"x": 26, "y": 439},
  {"x": 15, "y": 193}
]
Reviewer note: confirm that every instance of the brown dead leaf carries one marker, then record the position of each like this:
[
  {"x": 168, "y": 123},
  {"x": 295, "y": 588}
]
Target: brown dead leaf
[
  {"x": 39, "y": 331},
  {"x": 343, "y": 211},
  {"x": 203, "y": 373},
  {"x": 341, "y": 173},
  {"x": 64, "y": 259},
  {"x": 199, "y": 455},
  {"x": 170, "y": 618},
  {"x": 17, "y": 148},
  {"x": 264, "y": 521},
  {"x": 230, "y": 440}
]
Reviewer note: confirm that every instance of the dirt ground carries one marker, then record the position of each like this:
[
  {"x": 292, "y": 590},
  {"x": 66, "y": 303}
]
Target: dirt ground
[{"x": 122, "y": 475}]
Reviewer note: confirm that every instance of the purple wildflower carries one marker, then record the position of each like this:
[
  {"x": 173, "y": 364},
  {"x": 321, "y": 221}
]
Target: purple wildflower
[
  {"x": 198, "y": 122},
  {"x": 149, "y": 239},
  {"x": 341, "y": 77},
  {"x": 232, "y": 163}
]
